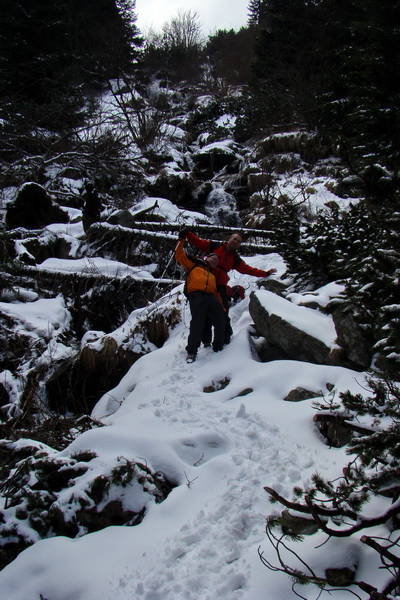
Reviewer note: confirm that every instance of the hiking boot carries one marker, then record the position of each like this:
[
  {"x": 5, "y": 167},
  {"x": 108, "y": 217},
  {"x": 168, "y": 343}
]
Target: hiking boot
[
  {"x": 206, "y": 344},
  {"x": 217, "y": 347},
  {"x": 190, "y": 358}
]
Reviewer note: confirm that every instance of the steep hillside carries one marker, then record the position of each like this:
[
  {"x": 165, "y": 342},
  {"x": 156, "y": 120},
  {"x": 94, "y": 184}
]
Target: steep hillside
[{"x": 93, "y": 328}]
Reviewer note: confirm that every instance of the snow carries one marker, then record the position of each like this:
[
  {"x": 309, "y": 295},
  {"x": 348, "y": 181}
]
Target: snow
[
  {"x": 220, "y": 448},
  {"x": 167, "y": 210},
  {"x": 225, "y": 146},
  {"x": 314, "y": 323},
  {"x": 42, "y": 316},
  {"x": 226, "y": 121},
  {"x": 321, "y": 296},
  {"x": 95, "y": 266}
]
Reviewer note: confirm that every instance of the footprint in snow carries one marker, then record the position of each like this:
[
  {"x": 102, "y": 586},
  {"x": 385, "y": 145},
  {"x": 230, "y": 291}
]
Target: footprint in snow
[{"x": 197, "y": 450}]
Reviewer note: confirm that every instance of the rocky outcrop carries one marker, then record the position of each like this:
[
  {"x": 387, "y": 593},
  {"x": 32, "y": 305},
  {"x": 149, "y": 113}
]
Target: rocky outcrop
[
  {"x": 178, "y": 187},
  {"x": 33, "y": 209},
  {"x": 299, "y": 394},
  {"x": 293, "y": 341},
  {"x": 348, "y": 346},
  {"x": 352, "y": 338},
  {"x": 307, "y": 146},
  {"x": 213, "y": 158},
  {"x": 273, "y": 285},
  {"x": 337, "y": 429}
]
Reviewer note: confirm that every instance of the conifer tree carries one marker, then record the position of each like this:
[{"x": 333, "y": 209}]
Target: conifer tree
[
  {"x": 49, "y": 50},
  {"x": 359, "y": 103},
  {"x": 372, "y": 293},
  {"x": 258, "y": 11},
  {"x": 340, "y": 508},
  {"x": 287, "y": 68}
]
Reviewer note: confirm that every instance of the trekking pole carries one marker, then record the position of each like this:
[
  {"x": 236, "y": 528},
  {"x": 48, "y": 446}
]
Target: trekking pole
[{"x": 168, "y": 263}]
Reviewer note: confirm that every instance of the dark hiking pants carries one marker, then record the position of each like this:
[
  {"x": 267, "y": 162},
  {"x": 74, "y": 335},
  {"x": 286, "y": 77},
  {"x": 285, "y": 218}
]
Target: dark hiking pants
[
  {"x": 207, "y": 334},
  {"x": 205, "y": 306}
]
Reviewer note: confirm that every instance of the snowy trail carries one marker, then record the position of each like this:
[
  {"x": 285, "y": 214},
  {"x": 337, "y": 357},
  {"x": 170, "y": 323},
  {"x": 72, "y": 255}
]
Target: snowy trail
[
  {"x": 221, "y": 448},
  {"x": 236, "y": 453}
]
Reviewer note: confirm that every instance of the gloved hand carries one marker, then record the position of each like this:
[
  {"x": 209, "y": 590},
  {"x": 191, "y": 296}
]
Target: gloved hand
[
  {"x": 183, "y": 233},
  {"x": 271, "y": 272}
]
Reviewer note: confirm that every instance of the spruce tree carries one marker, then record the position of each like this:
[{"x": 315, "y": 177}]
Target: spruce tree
[
  {"x": 49, "y": 50},
  {"x": 258, "y": 11},
  {"x": 360, "y": 107},
  {"x": 287, "y": 68}
]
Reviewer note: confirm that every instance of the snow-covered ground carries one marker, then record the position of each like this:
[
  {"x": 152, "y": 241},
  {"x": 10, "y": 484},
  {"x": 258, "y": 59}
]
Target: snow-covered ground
[{"x": 221, "y": 448}]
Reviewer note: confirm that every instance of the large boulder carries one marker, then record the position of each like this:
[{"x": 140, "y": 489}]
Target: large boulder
[
  {"x": 284, "y": 325},
  {"x": 176, "y": 186},
  {"x": 33, "y": 209},
  {"x": 216, "y": 156}
]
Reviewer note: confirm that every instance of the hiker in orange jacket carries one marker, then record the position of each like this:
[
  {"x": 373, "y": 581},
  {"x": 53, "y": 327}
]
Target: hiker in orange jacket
[
  {"x": 228, "y": 259},
  {"x": 204, "y": 299}
]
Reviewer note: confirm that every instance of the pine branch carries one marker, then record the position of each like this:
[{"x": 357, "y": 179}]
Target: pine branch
[
  {"x": 324, "y": 512},
  {"x": 361, "y": 523},
  {"x": 382, "y": 550}
]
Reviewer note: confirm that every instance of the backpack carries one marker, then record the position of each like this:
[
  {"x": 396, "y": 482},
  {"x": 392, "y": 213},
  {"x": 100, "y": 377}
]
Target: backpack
[{"x": 236, "y": 293}]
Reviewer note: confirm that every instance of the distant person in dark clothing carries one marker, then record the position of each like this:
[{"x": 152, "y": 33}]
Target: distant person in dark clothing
[{"x": 91, "y": 212}]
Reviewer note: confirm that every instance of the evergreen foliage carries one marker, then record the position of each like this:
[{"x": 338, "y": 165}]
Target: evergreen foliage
[
  {"x": 258, "y": 11},
  {"x": 35, "y": 478},
  {"x": 374, "y": 469},
  {"x": 360, "y": 99},
  {"x": 287, "y": 68},
  {"x": 204, "y": 118},
  {"x": 373, "y": 290},
  {"x": 229, "y": 55},
  {"x": 50, "y": 49},
  {"x": 332, "y": 66},
  {"x": 359, "y": 246}
]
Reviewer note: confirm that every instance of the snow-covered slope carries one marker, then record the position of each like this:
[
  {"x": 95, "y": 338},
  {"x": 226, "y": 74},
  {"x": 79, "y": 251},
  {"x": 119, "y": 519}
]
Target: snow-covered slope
[{"x": 220, "y": 448}]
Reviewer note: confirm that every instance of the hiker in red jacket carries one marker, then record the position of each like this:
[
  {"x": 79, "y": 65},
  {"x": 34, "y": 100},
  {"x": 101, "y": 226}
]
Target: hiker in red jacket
[
  {"x": 228, "y": 259},
  {"x": 204, "y": 299}
]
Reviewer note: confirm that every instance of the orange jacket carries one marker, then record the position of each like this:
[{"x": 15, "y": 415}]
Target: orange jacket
[{"x": 199, "y": 278}]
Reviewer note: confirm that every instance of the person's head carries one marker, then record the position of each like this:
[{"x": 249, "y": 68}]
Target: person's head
[
  {"x": 212, "y": 260},
  {"x": 234, "y": 242}
]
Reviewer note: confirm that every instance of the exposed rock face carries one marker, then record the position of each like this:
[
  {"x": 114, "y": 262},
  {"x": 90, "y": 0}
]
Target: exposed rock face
[
  {"x": 297, "y": 524},
  {"x": 273, "y": 285},
  {"x": 297, "y": 344},
  {"x": 352, "y": 348},
  {"x": 33, "y": 209},
  {"x": 299, "y": 394},
  {"x": 352, "y": 338},
  {"x": 306, "y": 145},
  {"x": 175, "y": 187},
  {"x": 214, "y": 157}
]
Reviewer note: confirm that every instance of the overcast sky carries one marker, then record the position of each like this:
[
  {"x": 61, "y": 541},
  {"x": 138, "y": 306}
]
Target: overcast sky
[{"x": 213, "y": 14}]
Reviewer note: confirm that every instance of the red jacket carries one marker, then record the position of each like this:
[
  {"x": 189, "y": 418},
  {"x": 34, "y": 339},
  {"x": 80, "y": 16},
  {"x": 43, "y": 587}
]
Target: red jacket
[{"x": 227, "y": 260}]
